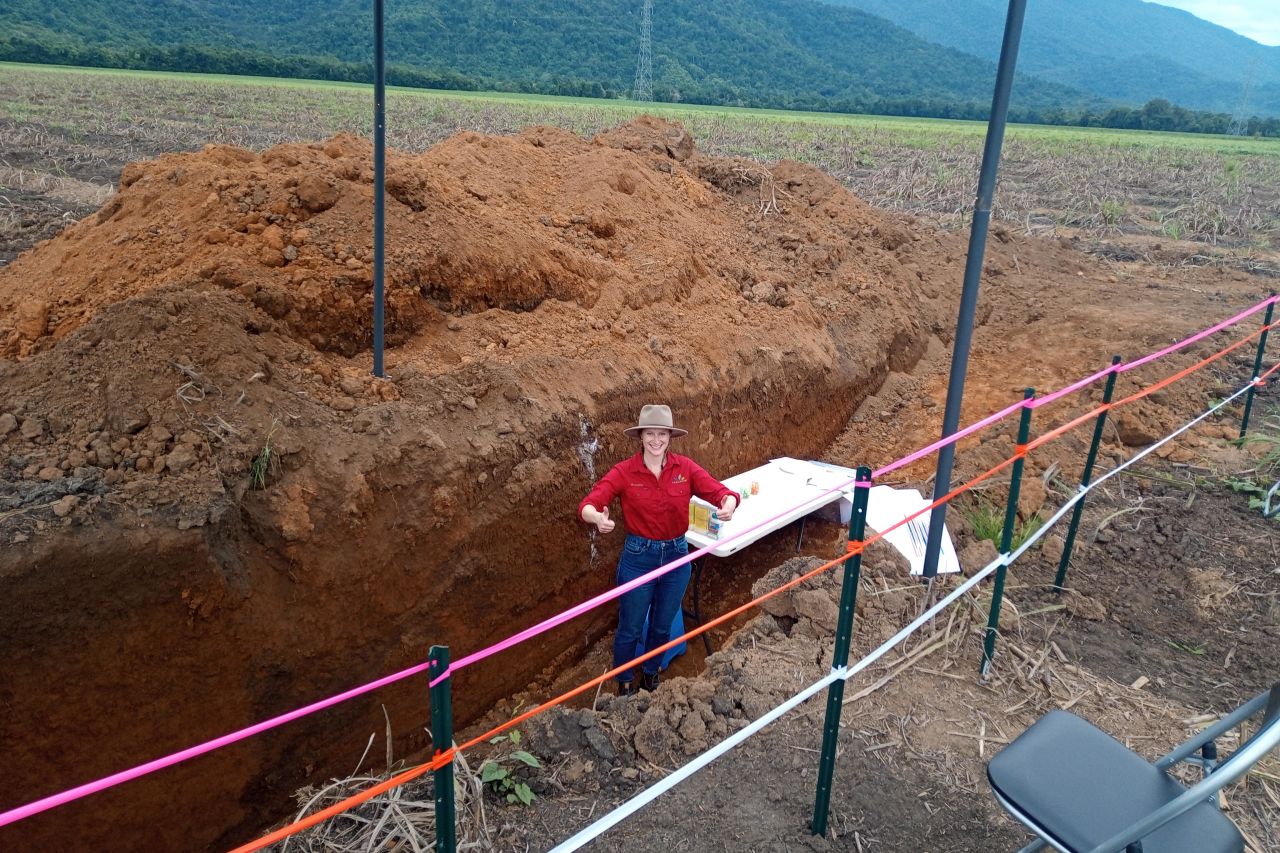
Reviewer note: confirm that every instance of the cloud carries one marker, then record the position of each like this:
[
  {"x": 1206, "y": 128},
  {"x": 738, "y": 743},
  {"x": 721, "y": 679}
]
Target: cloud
[{"x": 1255, "y": 19}]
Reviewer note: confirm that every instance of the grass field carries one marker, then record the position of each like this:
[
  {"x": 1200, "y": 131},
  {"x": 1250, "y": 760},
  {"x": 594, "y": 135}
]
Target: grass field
[
  {"x": 915, "y": 132},
  {"x": 1217, "y": 190}
]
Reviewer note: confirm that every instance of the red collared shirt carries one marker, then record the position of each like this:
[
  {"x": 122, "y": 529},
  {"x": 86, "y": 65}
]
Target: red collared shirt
[{"x": 656, "y": 507}]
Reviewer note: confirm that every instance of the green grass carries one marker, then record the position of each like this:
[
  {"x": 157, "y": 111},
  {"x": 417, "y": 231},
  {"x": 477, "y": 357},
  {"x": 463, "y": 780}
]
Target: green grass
[
  {"x": 987, "y": 522},
  {"x": 1186, "y": 647},
  {"x": 910, "y": 132}
]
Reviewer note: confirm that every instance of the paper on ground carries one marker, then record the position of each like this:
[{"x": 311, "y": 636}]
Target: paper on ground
[{"x": 886, "y": 506}]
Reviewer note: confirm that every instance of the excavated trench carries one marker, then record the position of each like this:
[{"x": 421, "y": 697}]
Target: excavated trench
[{"x": 213, "y": 515}]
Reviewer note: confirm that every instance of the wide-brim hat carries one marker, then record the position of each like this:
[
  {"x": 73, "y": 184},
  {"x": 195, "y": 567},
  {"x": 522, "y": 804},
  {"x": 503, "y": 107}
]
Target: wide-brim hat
[{"x": 655, "y": 417}]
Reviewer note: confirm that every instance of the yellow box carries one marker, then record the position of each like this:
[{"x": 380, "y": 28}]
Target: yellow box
[{"x": 699, "y": 516}]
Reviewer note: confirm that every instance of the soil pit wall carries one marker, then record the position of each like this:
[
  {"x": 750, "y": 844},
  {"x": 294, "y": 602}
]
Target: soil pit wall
[{"x": 162, "y": 589}]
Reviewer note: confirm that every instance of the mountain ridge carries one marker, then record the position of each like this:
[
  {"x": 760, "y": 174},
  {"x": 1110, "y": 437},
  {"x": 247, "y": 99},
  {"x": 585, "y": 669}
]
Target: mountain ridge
[
  {"x": 1129, "y": 50},
  {"x": 800, "y": 54},
  {"x": 912, "y": 57}
]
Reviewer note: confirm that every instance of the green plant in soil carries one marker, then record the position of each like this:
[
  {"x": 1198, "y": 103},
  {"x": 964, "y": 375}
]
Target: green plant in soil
[
  {"x": 506, "y": 770},
  {"x": 987, "y": 521},
  {"x": 1112, "y": 211},
  {"x": 1258, "y": 481},
  {"x": 1186, "y": 647},
  {"x": 265, "y": 463},
  {"x": 1024, "y": 531},
  {"x": 1256, "y": 492}
]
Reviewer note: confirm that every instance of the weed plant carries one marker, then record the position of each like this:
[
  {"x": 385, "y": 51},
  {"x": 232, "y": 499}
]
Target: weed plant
[
  {"x": 266, "y": 463},
  {"x": 987, "y": 522},
  {"x": 1261, "y": 484},
  {"x": 504, "y": 770}
]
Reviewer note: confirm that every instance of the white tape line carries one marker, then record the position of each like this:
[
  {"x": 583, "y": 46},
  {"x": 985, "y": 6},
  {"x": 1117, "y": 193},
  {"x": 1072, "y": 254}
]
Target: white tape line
[
  {"x": 1179, "y": 431},
  {"x": 1084, "y": 490},
  {"x": 651, "y": 793},
  {"x": 622, "y": 812}
]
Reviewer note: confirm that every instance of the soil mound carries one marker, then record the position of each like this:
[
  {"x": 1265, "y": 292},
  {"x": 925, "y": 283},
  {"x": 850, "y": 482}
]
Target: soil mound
[
  {"x": 185, "y": 400},
  {"x": 475, "y": 223}
]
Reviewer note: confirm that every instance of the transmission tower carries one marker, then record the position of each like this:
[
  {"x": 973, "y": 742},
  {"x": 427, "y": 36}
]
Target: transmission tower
[
  {"x": 1240, "y": 119},
  {"x": 643, "y": 89}
]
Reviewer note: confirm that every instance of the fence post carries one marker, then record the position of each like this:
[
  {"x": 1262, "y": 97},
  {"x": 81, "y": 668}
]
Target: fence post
[
  {"x": 442, "y": 738},
  {"x": 1006, "y": 537},
  {"x": 1086, "y": 477},
  {"x": 1257, "y": 369},
  {"x": 840, "y": 657}
]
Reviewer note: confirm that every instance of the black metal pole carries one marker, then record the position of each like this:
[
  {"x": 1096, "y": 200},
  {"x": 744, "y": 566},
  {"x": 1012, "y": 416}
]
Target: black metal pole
[
  {"x": 1006, "y": 536},
  {"x": 840, "y": 655},
  {"x": 1085, "y": 479},
  {"x": 379, "y": 181},
  {"x": 973, "y": 276},
  {"x": 1257, "y": 369}
]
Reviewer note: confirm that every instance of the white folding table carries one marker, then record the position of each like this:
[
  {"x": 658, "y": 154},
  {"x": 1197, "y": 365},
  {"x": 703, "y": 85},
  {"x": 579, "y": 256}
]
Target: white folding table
[
  {"x": 792, "y": 489},
  {"x": 789, "y": 489}
]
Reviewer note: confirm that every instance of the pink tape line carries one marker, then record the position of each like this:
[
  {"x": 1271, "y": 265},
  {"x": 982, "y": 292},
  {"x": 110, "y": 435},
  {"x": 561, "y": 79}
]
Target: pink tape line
[
  {"x": 943, "y": 442},
  {"x": 67, "y": 796},
  {"x": 14, "y": 815},
  {"x": 578, "y": 610},
  {"x": 618, "y": 591},
  {"x": 1206, "y": 333},
  {"x": 1037, "y": 402},
  {"x": 1138, "y": 362}
]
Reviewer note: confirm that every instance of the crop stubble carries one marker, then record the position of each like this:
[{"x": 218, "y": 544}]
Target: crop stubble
[{"x": 1185, "y": 198}]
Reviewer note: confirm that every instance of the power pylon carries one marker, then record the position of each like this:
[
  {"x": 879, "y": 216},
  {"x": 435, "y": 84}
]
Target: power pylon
[
  {"x": 643, "y": 88},
  {"x": 1240, "y": 118}
]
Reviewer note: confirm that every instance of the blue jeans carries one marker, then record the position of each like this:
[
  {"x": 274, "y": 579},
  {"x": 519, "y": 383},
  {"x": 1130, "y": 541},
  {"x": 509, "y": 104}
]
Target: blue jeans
[{"x": 659, "y": 599}]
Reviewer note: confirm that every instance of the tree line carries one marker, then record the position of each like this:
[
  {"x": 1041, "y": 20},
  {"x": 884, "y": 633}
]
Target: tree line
[
  {"x": 1157, "y": 114},
  {"x": 224, "y": 60}
]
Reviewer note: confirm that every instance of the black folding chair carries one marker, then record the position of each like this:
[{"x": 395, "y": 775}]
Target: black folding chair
[{"x": 1081, "y": 791}]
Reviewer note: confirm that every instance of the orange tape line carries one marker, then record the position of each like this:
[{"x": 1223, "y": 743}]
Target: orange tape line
[
  {"x": 311, "y": 820},
  {"x": 1150, "y": 389},
  {"x": 853, "y": 548},
  {"x": 446, "y": 757}
]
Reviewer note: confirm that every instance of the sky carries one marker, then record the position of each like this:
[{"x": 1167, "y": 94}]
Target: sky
[{"x": 1256, "y": 19}]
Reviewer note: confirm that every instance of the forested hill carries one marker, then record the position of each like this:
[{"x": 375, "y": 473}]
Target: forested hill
[
  {"x": 801, "y": 54},
  {"x": 1129, "y": 50}
]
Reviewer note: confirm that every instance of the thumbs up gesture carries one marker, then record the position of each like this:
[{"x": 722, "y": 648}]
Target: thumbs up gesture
[{"x": 604, "y": 524}]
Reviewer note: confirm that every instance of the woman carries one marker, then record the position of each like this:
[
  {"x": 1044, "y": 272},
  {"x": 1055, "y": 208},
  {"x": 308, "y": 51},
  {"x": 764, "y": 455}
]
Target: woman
[{"x": 655, "y": 487}]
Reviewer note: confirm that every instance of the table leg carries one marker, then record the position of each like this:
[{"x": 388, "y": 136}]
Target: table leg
[
  {"x": 800, "y": 536},
  {"x": 696, "y": 616}
]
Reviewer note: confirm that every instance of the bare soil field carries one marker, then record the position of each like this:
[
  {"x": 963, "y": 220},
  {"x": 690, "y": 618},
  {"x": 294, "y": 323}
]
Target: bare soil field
[{"x": 212, "y": 514}]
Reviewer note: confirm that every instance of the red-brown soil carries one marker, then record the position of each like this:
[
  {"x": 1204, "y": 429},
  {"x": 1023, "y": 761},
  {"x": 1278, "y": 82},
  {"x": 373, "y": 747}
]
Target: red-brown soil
[{"x": 540, "y": 288}]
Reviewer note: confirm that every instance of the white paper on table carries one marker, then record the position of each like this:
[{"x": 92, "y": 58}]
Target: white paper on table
[
  {"x": 820, "y": 476},
  {"x": 788, "y": 489},
  {"x": 783, "y": 484}
]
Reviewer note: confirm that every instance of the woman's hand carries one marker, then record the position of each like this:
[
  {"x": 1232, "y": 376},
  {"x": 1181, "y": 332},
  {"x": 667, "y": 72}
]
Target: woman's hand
[
  {"x": 598, "y": 517},
  {"x": 727, "y": 506},
  {"x": 604, "y": 524}
]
